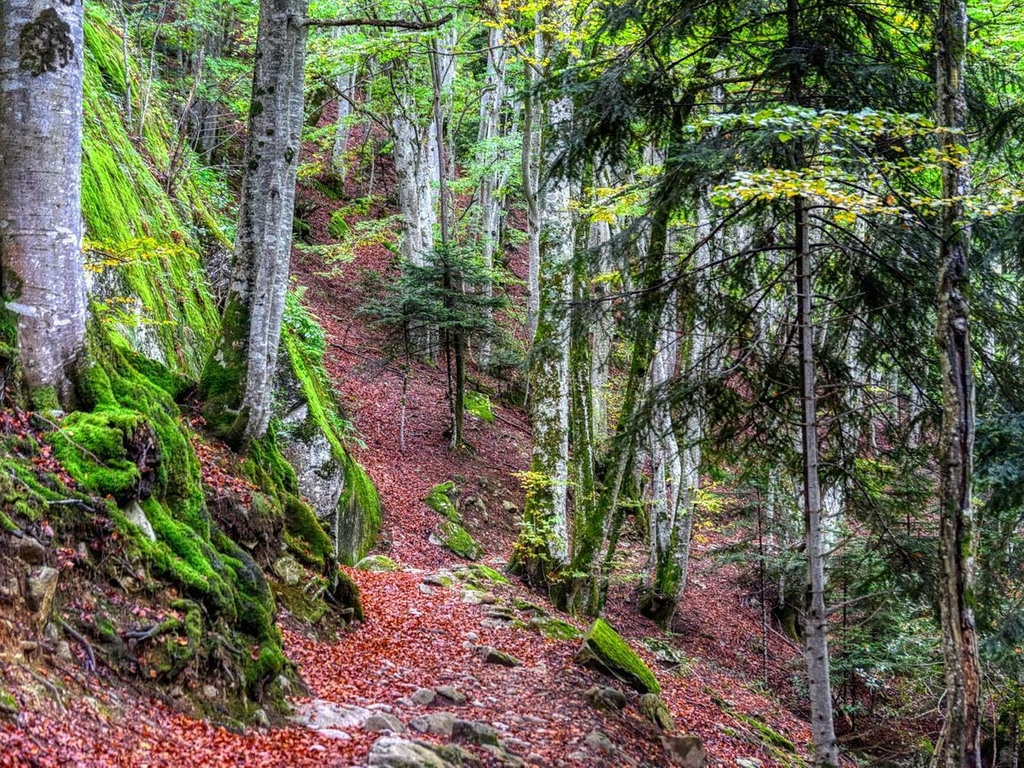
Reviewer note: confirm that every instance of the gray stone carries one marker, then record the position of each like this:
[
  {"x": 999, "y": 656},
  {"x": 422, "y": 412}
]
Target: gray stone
[
  {"x": 604, "y": 698},
  {"x": 321, "y": 714},
  {"x": 288, "y": 570},
  {"x": 382, "y": 721},
  {"x": 509, "y": 507},
  {"x": 450, "y": 693},
  {"x": 436, "y": 723},
  {"x": 377, "y": 564},
  {"x": 474, "y": 732},
  {"x": 31, "y": 551},
  {"x": 656, "y": 711},
  {"x": 424, "y": 697},
  {"x": 425, "y": 589},
  {"x": 392, "y": 752},
  {"x": 260, "y": 719},
  {"x": 687, "y": 751},
  {"x": 503, "y": 758},
  {"x": 512, "y": 744},
  {"x": 477, "y": 597},
  {"x": 748, "y": 762},
  {"x": 440, "y": 579},
  {"x": 598, "y": 740},
  {"x": 334, "y": 733},
  {"x": 41, "y": 588},
  {"x": 492, "y": 655},
  {"x": 134, "y": 513},
  {"x": 209, "y": 692}
]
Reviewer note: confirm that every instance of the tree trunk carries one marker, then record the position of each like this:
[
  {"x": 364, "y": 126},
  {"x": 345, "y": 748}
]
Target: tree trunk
[
  {"x": 345, "y": 83},
  {"x": 43, "y": 281},
  {"x": 492, "y": 106},
  {"x": 957, "y": 538},
  {"x": 543, "y": 545},
  {"x": 532, "y": 135},
  {"x": 826, "y": 753},
  {"x": 238, "y": 380}
]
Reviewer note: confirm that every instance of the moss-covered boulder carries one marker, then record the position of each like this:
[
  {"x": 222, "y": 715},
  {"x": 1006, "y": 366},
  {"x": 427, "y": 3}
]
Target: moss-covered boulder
[
  {"x": 449, "y": 532},
  {"x": 604, "y": 650},
  {"x": 311, "y": 435}
]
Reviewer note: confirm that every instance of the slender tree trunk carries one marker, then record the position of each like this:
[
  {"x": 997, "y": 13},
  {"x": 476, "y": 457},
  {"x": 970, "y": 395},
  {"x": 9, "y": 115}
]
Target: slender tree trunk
[
  {"x": 543, "y": 545},
  {"x": 957, "y": 536},
  {"x": 43, "y": 281},
  {"x": 492, "y": 106},
  {"x": 531, "y": 154},
  {"x": 345, "y": 83},
  {"x": 238, "y": 380}
]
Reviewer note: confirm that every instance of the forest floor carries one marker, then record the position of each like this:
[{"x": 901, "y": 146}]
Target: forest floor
[{"x": 732, "y": 683}]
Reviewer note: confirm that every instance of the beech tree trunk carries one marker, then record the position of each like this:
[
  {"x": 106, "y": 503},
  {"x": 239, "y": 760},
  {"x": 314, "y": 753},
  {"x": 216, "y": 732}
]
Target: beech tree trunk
[
  {"x": 43, "y": 281},
  {"x": 238, "y": 380},
  {"x": 957, "y": 538},
  {"x": 345, "y": 82},
  {"x": 543, "y": 544}
]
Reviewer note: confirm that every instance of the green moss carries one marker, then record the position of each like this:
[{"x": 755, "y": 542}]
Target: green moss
[
  {"x": 338, "y": 228},
  {"x": 378, "y": 564},
  {"x": 439, "y": 500},
  {"x": 606, "y": 650},
  {"x": 305, "y": 535},
  {"x": 455, "y": 538},
  {"x": 8, "y": 704},
  {"x": 92, "y": 447},
  {"x": 359, "y": 513},
  {"x": 555, "y": 629},
  {"x": 479, "y": 572},
  {"x": 765, "y": 733},
  {"x": 480, "y": 406}
]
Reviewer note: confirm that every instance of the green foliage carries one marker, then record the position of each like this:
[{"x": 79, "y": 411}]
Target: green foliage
[{"x": 480, "y": 406}]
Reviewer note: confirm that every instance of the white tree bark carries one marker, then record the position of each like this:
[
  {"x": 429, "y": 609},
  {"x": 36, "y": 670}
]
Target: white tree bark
[
  {"x": 239, "y": 378},
  {"x": 41, "y": 54},
  {"x": 345, "y": 83}
]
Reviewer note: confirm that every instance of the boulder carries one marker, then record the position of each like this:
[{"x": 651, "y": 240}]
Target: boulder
[
  {"x": 599, "y": 742},
  {"x": 604, "y": 698},
  {"x": 474, "y": 732},
  {"x": 41, "y": 587},
  {"x": 382, "y": 721},
  {"x": 450, "y": 693},
  {"x": 656, "y": 711},
  {"x": 436, "y": 723},
  {"x": 492, "y": 655},
  {"x": 687, "y": 751},
  {"x": 605, "y": 651},
  {"x": 31, "y": 551},
  {"x": 423, "y": 697},
  {"x": 377, "y": 564},
  {"x": 321, "y": 714},
  {"x": 392, "y": 752}
]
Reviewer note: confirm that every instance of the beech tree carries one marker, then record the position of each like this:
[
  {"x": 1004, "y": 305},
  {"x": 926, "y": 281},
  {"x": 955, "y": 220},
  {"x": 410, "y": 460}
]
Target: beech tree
[
  {"x": 43, "y": 281},
  {"x": 238, "y": 380}
]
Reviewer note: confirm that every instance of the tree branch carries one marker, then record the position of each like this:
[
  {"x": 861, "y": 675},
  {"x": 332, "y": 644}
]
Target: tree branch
[{"x": 383, "y": 23}]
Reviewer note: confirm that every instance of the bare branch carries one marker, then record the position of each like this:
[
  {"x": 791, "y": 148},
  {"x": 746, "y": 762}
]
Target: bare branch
[{"x": 382, "y": 23}]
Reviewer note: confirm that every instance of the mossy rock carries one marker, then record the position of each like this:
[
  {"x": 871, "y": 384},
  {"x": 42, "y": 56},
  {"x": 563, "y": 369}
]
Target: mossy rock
[
  {"x": 8, "y": 704},
  {"x": 377, "y": 564},
  {"x": 344, "y": 595},
  {"x": 440, "y": 500},
  {"x": 480, "y": 406},
  {"x": 604, "y": 650},
  {"x": 554, "y": 629},
  {"x": 478, "y": 572},
  {"x": 453, "y": 537}
]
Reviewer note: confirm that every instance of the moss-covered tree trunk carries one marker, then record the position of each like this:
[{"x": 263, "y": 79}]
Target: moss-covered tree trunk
[
  {"x": 345, "y": 84},
  {"x": 238, "y": 380},
  {"x": 543, "y": 544},
  {"x": 958, "y": 541},
  {"x": 41, "y": 55}
]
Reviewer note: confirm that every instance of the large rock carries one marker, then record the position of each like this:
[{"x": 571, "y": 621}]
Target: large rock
[
  {"x": 687, "y": 751},
  {"x": 656, "y": 711},
  {"x": 605, "y": 699},
  {"x": 392, "y": 752},
  {"x": 321, "y": 714},
  {"x": 41, "y": 587},
  {"x": 606, "y": 652},
  {"x": 336, "y": 487}
]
